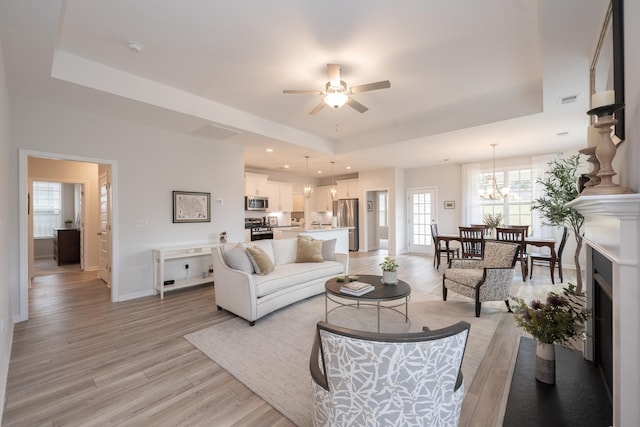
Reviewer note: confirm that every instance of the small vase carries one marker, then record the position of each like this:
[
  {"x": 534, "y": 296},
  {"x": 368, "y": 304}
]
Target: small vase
[
  {"x": 545, "y": 363},
  {"x": 389, "y": 277}
]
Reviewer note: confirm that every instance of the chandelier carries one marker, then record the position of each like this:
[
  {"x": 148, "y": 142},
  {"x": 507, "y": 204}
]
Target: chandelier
[
  {"x": 333, "y": 191},
  {"x": 493, "y": 192},
  {"x": 308, "y": 188}
]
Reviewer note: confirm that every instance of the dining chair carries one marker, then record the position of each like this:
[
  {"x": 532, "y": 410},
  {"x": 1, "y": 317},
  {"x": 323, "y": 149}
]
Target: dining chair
[
  {"x": 544, "y": 259},
  {"x": 439, "y": 249},
  {"x": 486, "y": 230},
  {"x": 523, "y": 227},
  {"x": 516, "y": 234},
  {"x": 472, "y": 241}
]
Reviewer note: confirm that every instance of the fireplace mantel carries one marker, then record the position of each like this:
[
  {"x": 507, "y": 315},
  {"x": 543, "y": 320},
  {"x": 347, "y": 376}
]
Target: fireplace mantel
[{"x": 612, "y": 227}]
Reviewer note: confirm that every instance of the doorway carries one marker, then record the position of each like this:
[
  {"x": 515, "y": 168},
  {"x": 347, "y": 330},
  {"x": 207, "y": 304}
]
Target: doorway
[
  {"x": 422, "y": 202},
  {"x": 377, "y": 220},
  {"x": 34, "y": 165}
]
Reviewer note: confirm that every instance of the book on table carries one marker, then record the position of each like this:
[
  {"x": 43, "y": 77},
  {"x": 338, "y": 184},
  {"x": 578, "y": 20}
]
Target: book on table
[{"x": 356, "y": 288}]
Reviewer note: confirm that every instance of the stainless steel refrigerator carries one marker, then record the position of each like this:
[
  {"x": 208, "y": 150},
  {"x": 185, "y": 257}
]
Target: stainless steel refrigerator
[{"x": 346, "y": 212}]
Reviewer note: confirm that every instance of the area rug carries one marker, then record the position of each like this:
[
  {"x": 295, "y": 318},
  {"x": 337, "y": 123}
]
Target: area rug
[{"x": 272, "y": 357}]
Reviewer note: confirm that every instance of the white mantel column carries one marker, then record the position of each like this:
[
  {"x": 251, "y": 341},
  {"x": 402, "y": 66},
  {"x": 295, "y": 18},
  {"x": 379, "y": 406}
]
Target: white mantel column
[{"x": 612, "y": 227}]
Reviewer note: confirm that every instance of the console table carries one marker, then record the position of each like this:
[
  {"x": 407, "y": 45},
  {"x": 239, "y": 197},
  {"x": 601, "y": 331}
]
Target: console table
[{"x": 164, "y": 254}]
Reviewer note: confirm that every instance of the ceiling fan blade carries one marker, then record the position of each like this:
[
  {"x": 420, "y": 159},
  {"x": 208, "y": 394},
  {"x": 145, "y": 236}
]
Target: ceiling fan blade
[
  {"x": 318, "y": 108},
  {"x": 356, "y": 105},
  {"x": 333, "y": 71},
  {"x": 371, "y": 86},
  {"x": 303, "y": 92}
]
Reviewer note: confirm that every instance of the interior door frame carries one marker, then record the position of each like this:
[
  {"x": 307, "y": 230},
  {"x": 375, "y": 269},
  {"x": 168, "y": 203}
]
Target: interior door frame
[{"x": 23, "y": 223}]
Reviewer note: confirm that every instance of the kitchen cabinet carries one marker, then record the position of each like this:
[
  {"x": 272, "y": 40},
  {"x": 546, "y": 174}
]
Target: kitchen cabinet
[
  {"x": 323, "y": 199},
  {"x": 298, "y": 203},
  {"x": 66, "y": 245},
  {"x": 348, "y": 189},
  {"x": 280, "y": 196},
  {"x": 256, "y": 184}
]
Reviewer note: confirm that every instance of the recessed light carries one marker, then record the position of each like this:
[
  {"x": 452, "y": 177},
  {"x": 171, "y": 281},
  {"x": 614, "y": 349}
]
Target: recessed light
[
  {"x": 319, "y": 172},
  {"x": 562, "y": 133},
  {"x": 135, "y": 46},
  {"x": 269, "y": 150},
  {"x": 286, "y": 166}
]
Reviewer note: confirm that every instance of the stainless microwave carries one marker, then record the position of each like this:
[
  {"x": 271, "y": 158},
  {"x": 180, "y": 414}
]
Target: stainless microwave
[{"x": 256, "y": 203}]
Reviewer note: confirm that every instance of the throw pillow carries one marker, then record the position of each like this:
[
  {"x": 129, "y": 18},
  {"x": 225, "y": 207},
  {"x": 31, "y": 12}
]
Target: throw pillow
[
  {"x": 236, "y": 257},
  {"x": 329, "y": 249},
  {"x": 309, "y": 250},
  {"x": 260, "y": 260}
]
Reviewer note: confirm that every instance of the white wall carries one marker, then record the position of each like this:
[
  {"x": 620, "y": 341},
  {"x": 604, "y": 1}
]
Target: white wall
[
  {"x": 447, "y": 181},
  {"x": 151, "y": 163},
  {"x": 7, "y": 222},
  {"x": 630, "y": 176}
]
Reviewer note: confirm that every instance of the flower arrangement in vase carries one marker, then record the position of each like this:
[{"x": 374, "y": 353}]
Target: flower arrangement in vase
[
  {"x": 558, "y": 320},
  {"x": 389, "y": 271}
]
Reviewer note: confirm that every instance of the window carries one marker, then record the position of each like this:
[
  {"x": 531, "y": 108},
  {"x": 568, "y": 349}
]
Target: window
[
  {"x": 516, "y": 207},
  {"x": 47, "y": 198},
  {"x": 382, "y": 209}
]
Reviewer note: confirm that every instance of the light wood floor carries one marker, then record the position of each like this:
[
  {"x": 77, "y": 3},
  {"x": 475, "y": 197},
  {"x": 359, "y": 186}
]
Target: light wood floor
[{"x": 82, "y": 360}]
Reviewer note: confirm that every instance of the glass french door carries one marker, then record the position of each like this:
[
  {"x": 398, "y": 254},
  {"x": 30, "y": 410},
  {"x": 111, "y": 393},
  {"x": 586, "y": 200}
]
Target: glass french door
[{"x": 422, "y": 202}]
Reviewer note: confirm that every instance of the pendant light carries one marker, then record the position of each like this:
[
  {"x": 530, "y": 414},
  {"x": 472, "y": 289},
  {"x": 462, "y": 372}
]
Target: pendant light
[
  {"x": 493, "y": 193},
  {"x": 308, "y": 188},
  {"x": 333, "y": 191}
]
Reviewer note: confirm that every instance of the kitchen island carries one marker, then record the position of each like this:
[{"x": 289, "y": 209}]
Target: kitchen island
[{"x": 328, "y": 233}]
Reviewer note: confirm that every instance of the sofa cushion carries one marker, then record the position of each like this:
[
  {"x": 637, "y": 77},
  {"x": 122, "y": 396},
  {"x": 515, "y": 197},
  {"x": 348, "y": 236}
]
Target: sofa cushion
[
  {"x": 309, "y": 250},
  {"x": 329, "y": 249},
  {"x": 260, "y": 260},
  {"x": 465, "y": 276},
  {"x": 237, "y": 258},
  {"x": 290, "y": 275},
  {"x": 285, "y": 250}
]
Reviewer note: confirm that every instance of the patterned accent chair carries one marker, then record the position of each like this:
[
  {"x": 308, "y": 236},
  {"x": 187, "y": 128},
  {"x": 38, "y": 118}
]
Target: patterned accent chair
[
  {"x": 487, "y": 279},
  {"x": 366, "y": 378}
]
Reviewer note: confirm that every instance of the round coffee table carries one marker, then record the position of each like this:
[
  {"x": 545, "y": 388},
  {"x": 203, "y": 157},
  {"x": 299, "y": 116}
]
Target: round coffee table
[{"x": 380, "y": 294}]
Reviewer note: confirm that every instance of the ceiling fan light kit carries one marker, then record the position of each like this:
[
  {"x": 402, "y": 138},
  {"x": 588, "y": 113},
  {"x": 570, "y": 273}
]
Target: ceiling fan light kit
[{"x": 336, "y": 92}]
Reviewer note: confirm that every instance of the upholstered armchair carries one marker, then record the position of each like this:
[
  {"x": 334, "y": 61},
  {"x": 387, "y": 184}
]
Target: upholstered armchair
[
  {"x": 367, "y": 378},
  {"x": 486, "y": 279}
]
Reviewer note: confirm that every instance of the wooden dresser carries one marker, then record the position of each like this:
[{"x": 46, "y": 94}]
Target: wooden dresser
[{"x": 66, "y": 245}]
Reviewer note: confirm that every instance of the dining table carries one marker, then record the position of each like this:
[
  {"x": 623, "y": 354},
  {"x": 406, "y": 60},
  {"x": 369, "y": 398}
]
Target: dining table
[{"x": 529, "y": 240}]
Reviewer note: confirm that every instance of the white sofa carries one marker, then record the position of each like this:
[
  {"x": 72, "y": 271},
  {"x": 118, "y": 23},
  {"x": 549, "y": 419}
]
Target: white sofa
[{"x": 252, "y": 296}]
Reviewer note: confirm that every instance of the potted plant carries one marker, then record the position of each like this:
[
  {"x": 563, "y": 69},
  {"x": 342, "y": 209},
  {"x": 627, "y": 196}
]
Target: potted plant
[
  {"x": 559, "y": 188},
  {"x": 559, "y": 320},
  {"x": 68, "y": 223},
  {"x": 491, "y": 221},
  {"x": 389, "y": 271}
]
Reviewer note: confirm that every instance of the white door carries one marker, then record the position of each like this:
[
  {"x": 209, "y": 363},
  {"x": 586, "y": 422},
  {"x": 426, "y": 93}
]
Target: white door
[
  {"x": 105, "y": 229},
  {"x": 422, "y": 202}
]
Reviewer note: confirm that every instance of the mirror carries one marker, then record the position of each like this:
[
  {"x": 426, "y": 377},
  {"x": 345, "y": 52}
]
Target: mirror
[{"x": 607, "y": 66}]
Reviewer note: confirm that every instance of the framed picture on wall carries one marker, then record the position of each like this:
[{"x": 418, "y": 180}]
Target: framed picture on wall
[
  {"x": 190, "y": 206},
  {"x": 449, "y": 204}
]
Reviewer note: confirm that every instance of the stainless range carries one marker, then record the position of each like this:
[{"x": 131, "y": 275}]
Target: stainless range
[{"x": 259, "y": 230}]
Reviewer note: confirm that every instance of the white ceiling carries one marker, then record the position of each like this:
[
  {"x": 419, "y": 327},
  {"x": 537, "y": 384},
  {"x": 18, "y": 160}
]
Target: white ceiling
[{"x": 464, "y": 74}]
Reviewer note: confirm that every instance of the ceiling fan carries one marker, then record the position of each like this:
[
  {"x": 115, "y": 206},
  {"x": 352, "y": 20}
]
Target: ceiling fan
[{"x": 336, "y": 92}]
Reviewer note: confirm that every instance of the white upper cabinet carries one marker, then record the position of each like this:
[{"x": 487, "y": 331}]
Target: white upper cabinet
[
  {"x": 348, "y": 189},
  {"x": 323, "y": 199},
  {"x": 280, "y": 196},
  {"x": 255, "y": 184}
]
